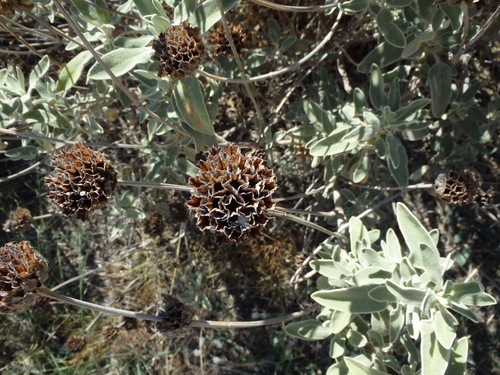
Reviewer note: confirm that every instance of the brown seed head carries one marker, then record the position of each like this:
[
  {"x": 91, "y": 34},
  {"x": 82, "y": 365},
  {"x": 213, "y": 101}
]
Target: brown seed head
[
  {"x": 19, "y": 221},
  {"x": 22, "y": 270},
  {"x": 84, "y": 181},
  {"x": 154, "y": 225},
  {"x": 109, "y": 333},
  {"x": 8, "y": 7},
  {"x": 218, "y": 38},
  {"x": 179, "y": 51},
  {"x": 462, "y": 187},
  {"x": 176, "y": 317},
  {"x": 231, "y": 193},
  {"x": 75, "y": 343}
]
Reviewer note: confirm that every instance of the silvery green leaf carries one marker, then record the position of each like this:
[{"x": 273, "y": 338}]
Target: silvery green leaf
[
  {"x": 415, "y": 234},
  {"x": 382, "y": 55},
  {"x": 458, "y": 357},
  {"x": 417, "y": 43},
  {"x": 358, "y": 235},
  {"x": 406, "y": 295},
  {"x": 337, "y": 346},
  {"x": 120, "y": 61},
  {"x": 434, "y": 356},
  {"x": 308, "y": 330},
  {"x": 356, "y": 367},
  {"x": 439, "y": 80},
  {"x": 397, "y": 160},
  {"x": 394, "y": 96},
  {"x": 373, "y": 258},
  {"x": 356, "y": 339},
  {"x": 370, "y": 275},
  {"x": 72, "y": 72},
  {"x": 207, "y": 14},
  {"x": 392, "y": 249},
  {"x": 326, "y": 268},
  {"x": 459, "y": 290},
  {"x": 376, "y": 92},
  {"x": 338, "y": 368},
  {"x": 410, "y": 110},
  {"x": 354, "y": 6},
  {"x": 455, "y": 16},
  {"x": 359, "y": 100},
  {"x": 391, "y": 32},
  {"x": 376, "y": 339},
  {"x": 461, "y": 309},
  {"x": 379, "y": 322},
  {"x": 339, "y": 320},
  {"x": 382, "y": 294},
  {"x": 397, "y": 321},
  {"x": 480, "y": 299},
  {"x": 445, "y": 332},
  {"x": 22, "y": 153},
  {"x": 354, "y": 299},
  {"x": 359, "y": 171},
  {"x": 429, "y": 302},
  {"x": 332, "y": 144},
  {"x": 38, "y": 72}
]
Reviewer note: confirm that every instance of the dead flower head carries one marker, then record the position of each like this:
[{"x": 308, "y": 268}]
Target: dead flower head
[
  {"x": 219, "y": 40},
  {"x": 19, "y": 221},
  {"x": 84, "y": 181},
  {"x": 462, "y": 187},
  {"x": 8, "y": 7},
  {"x": 22, "y": 270},
  {"x": 232, "y": 193},
  {"x": 179, "y": 51}
]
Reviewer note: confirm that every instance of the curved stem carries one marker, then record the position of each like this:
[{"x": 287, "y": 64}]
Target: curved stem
[
  {"x": 157, "y": 185},
  {"x": 289, "y": 68},
  {"x": 252, "y": 324},
  {"x": 283, "y": 212},
  {"x": 46, "y": 292},
  {"x": 291, "y": 8}
]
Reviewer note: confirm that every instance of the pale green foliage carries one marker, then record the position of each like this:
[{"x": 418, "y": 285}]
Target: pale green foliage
[{"x": 409, "y": 305}]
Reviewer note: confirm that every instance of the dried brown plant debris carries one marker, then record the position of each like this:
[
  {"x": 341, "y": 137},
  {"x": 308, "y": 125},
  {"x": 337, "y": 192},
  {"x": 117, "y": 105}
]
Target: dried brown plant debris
[
  {"x": 232, "y": 193},
  {"x": 19, "y": 221},
  {"x": 179, "y": 51},
  {"x": 462, "y": 187},
  {"x": 84, "y": 181},
  {"x": 109, "y": 333},
  {"x": 75, "y": 343},
  {"x": 22, "y": 271},
  {"x": 154, "y": 225},
  {"x": 219, "y": 40},
  {"x": 8, "y": 7},
  {"x": 176, "y": 316}
]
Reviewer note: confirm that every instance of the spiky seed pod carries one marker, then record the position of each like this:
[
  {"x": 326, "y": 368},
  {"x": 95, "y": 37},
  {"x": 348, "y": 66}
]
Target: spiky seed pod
[
  {"x": 179, "y": 51},
  {"x": 84, "y": 181},
  {"x": 19, "y": 221},
  {"x": 8, "y": 7},
  {"x": 154, "y": 225},
  {"x": 176, "y": 317},
  {"x": 462, "y": 187},
  {"x": 75, "y": 343},
  {"x": 219, "y": 40},
  {"x": 232, "y": 193},
  {"x": 22, "y": 270}
]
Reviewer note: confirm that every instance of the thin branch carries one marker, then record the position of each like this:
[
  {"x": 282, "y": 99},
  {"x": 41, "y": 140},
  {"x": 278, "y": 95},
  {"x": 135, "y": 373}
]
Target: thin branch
[
  {"x": 157, "y": 185},
  {"x": 290, "y": 8},
  {"x": 287, "y": 69}
]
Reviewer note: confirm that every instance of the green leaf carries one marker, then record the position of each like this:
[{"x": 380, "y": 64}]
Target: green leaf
[
  {"x": 384, "y": 54},
  {"x": 382, "y": 294},
  {"x": 190, "y": 104},
  {"x": 339, "y": 320},
  {"x": 399, "y": 3},
  {"x": 391, "y": 32},
  {"x": 396, "y": 323},
  {"x": 354, "y": 6},
  {"x": 22, "y": 153},
  {"x": 337, "y": 346},
  {"x": 326, "y": 268},
  {"x": 354, "y": 300},
  {"x": 480, "y": 299},
  {"x": 417, "y": 43},
  {"x": 406, "y": 295},
  {"x": 207, "y": 14},
  {"x": 394, "y": 97},
  {"x": 360, "y": 170},
  {"x": 415, "y": 234},
  {"x": 455, "y": 15},
  {"x": 358, "y": 368},
  {"x": 397, "y": 161},
  {"x": 38, "y": 72},
  {"x": 72, "y": 72},
  {"x": 308, "y": 330},
  {"x": 393, "y": 248},
  {"x": 332, "y": 144},
  {"x": 356, "y": 339},
  {"x": 359, "y": 101},
  {"x": 445, "y": 332},
  {"x": 458, "y": 357},
  {"x": 439, "y": 80},
  {"x": 376, "y": 91},
  {"x": 434, "y": 356},
  {"x": 120, "y": 61},
  {"x": 149, "y": 7}
]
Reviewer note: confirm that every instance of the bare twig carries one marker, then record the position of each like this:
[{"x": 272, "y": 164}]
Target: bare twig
[{"x": 290, "y": 8}]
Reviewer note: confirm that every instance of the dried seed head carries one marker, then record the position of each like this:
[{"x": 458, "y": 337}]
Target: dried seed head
[
  {"x": 109, "y": 333},
  {"x": 176, "y": 317},
  {"x": 464, "y": 187},
  {"x": 231, "y": 193},
  {"x": 154, "y": 225},
  {"x": 22, "y": 270},
  {"x": 179, "y": 51},
  {"x": 8, "y": 7},
  {"x": 218, "y": 38},
  {"x": 19, "y": 221},
  {"x": 84, "y": 181},
  {"x": 75, "y": 343}
]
